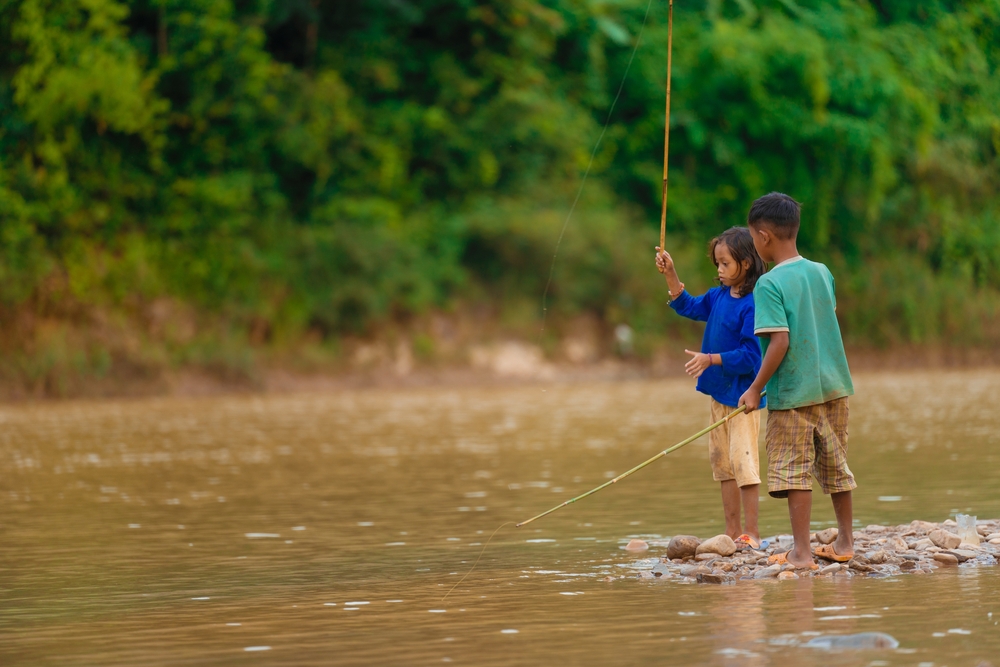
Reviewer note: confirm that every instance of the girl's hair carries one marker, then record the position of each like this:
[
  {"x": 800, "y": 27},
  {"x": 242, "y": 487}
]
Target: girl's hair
[{"x": 741, "y": 247}]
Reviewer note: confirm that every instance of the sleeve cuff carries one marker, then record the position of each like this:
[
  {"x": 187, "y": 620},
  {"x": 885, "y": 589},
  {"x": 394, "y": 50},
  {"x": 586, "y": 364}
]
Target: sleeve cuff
[{"x": 769, "y": 330}]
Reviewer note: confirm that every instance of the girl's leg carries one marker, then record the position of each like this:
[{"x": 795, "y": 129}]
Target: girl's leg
[
  {"x": 731, "y": 507},
  {"x": 751, "y": 499}
]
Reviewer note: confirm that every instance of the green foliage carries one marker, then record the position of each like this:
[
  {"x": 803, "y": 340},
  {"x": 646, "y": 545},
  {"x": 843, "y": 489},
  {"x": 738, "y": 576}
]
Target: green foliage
[{"x": 300, "y": 168}]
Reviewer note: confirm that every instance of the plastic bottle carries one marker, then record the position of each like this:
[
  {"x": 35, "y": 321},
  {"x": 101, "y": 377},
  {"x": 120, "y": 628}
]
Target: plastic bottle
[{"x": 967, "y": 529}]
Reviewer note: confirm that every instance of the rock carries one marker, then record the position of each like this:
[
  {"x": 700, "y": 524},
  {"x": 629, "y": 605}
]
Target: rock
[
  {"x": 910, "y": 556},
  {"x": 983, "y": 531},
  {"x": 946, "y": 558},
  {"x": 684, "y": 546},
  {"x": 878, "y": 557},
  {"x": 708, "y": 556},
  {"x": 860, "y": 641},
  {"x": 636, "y": 545},
  {"x": 831, "y": 569},
  {"x": 993, "y": 536},
  {"x": 922, "y": 527},
  {"x": 907, "y": 565},
  {"x": 790, "y": 574},
  {"x": 875, "y": 529},
  {"x": 720, "y": 544},
  {"x": 970, "y": 547},
  {"x": 767, "y": 572},
  {"x": 645, "y": 574},
  {"x": 712, "y": 578},
  {"x": 694, "y": 570},
  {"x": 961, "y": 554},
  {"x": 826, "y": 536},
  {"x": 856, "y": 564},
  {"x": 995, "y": 541},
  {"x": 896, "y": 544},
  {"x": 944, "y": 539}
]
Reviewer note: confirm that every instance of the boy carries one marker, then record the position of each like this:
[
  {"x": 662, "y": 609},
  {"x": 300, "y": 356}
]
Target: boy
[{"x": 805, "y": 372}]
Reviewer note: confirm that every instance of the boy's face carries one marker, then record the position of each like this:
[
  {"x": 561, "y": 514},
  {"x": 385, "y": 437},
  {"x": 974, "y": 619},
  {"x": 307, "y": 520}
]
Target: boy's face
[{"x": 761, "y": 241}]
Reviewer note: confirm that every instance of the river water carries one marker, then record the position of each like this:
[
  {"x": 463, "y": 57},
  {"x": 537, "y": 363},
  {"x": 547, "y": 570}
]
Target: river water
[{"x": 327, "y": 529}]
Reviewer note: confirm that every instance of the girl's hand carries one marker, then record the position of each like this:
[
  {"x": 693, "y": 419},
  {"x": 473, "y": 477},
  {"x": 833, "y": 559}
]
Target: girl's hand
[
  {"x": 699, "y": 362},
  {"x": 664, "y": 262}
]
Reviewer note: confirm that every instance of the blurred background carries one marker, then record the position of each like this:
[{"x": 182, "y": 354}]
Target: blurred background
[{"x": 239, "y": 190}]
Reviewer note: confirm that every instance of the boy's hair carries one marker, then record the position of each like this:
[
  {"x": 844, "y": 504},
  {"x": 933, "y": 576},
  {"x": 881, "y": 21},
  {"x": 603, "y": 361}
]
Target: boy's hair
[
  {"x": 741, "y": 247},
  {"x": 779, "y": 212}
]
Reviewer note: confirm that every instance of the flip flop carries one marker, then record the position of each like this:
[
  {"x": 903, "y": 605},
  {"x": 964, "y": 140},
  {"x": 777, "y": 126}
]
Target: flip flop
[
  {"x": 744, "y": 541},
  {"x": 782, "y": 558},
  {"x": 826, "y": 551}
]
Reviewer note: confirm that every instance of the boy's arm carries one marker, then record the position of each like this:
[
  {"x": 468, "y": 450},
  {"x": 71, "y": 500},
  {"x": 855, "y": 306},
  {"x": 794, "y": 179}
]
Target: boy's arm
[{"x": 776, "y": 351}]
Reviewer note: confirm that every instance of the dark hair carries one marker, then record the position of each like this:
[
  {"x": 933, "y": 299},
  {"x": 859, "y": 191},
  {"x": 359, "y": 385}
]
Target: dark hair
[
  {"x": 741, "y": 247},
  {"x": 778, "y": 211}
]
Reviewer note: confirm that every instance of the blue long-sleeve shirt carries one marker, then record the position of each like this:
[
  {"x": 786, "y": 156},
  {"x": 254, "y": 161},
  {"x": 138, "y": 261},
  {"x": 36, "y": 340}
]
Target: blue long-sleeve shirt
[{"x": 728, "y": 333}]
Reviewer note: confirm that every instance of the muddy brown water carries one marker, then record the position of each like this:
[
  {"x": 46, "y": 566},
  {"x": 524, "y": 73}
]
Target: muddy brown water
[{"x": 326, "y": 529}]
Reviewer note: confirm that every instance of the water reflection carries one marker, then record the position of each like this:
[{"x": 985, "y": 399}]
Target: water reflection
[{"x": 327, "y": 529}]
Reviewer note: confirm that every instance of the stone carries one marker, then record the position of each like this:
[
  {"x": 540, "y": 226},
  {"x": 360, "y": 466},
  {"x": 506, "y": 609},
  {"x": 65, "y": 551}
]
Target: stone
[
  {"x": 684, "y": 546},
  {"x": 790, "y": 574},
  {"x": 878, "y": 557},
  {"x": 767, "y": 572},
  {"x": 993, "y": 536},
  {"x": 694, "y": 570},
  {"x": 922, "y": 527},
  {"x": 944, "y": 539},
  {"x": 910, "y": 556},
  {"x": 875, "y": 529},
  {"x": 831, "y": 569},
  {"x": 856, "y": 564},
  {"x": 636, "y": 545},
  {"x": 896, "y": 544},
  {"x": 961, "y": 554},
  {"x": 705, "y": 557},
  {"x": 720, "y": 544},
  {"x": 712, "y": 578},
  {"x": 826, "y": 536},
  {"x": 995, "y": 541},
  {"x": 946, "y": 558},
  {"x": 907, "y": 565},
  {"x": 645, "y": 574}
]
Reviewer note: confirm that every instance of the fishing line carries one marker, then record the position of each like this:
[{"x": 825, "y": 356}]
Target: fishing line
[
  {"x": 477, "y": 560},
  {"x": 586, "y": 172}
]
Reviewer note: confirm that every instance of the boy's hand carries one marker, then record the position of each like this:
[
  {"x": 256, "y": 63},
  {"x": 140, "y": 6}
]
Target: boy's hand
[
  {"x": 750, "y": 398},
  {"x": 664, "y": 262},
  {"x": 699, "y": 362}
]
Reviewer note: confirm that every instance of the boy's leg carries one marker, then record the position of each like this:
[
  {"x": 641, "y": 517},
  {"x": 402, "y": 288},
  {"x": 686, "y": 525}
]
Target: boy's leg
[
  {"x": 843, "y": 508},
  {"x": 731, "y": 507},
  {"x": 799, "y": 512},
  {"x": 749, "y": 494}
]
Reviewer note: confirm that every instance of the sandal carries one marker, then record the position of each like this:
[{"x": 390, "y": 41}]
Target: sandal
[
  {"x": 826, "y": 551},
  {"x": 744, "y": 541},
  {"x": 782, "y": 559}
]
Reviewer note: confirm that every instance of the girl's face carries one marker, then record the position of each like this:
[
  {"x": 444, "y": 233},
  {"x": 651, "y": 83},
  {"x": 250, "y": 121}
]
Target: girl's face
[{"x": 731, "y": 272}]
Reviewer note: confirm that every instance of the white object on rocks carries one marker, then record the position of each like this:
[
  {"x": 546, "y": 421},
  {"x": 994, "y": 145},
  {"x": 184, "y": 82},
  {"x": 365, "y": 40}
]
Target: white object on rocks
[{"x": 967, "y": 529}]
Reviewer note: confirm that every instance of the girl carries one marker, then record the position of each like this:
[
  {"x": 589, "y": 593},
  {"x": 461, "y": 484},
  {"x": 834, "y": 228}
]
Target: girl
[{"x": 725, "y": 368}]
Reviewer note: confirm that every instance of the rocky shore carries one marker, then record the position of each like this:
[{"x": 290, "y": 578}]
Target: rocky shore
[{"x": 919, "y": 547}]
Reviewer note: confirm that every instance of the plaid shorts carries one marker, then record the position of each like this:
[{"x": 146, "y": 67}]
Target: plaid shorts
[
  {"x": 732, "y": 448},
  {"x": 810, "y": 440}
]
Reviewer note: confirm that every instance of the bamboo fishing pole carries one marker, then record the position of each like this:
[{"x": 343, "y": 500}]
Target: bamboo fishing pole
[
  {"x": 642, "y": 465},
  {"x": 666, "y": 128}
]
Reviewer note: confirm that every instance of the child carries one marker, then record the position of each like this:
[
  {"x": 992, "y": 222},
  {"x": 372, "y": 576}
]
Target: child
[
  {"x": 725, "y": 367},
  {"x": 807, "y": 379}
]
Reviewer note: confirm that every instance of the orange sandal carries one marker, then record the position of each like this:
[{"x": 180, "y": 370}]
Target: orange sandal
[
  {"x": 782, "y": 558},
  {"x": 744, "y": 541},
  {"x": 827, "y": 552}
]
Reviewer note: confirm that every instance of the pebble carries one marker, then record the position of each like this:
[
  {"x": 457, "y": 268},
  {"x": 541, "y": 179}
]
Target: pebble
[
  {"x": 684, "y": 546},
  {"x": 907, "y": 565},
  {"x": 860, "y": 641},
  {"x": 708, "y": 556},
  {"x": 878, "y": 557},
  {"x": 993, "y": 536},
  {"x": 922, "y": 527},
  {"x": 636, "y": 545},
  {"x": 944, "y": 539},
  {"x": 826, "y": 536},
  {"x": 831, "y": 569},
  {"x": 722, "y": 545},
  {"x": 712, "y": 578},
  {"x": 787, "y": 575},
  {"x": 767, "y": 572},
  {"x": 896, "y": 543},
  {"x": 694, "y": 570},
  {"x": 961, "y": 554},
  {"x": 946, "y": 558}
]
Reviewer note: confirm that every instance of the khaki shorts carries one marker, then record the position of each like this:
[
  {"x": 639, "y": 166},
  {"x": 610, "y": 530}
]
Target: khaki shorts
[
  {"x": 732, "y": 447},
  {"x": 808, "y": 441}
]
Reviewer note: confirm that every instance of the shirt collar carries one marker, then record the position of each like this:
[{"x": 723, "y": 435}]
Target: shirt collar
[{"x": 789, "y": 261}]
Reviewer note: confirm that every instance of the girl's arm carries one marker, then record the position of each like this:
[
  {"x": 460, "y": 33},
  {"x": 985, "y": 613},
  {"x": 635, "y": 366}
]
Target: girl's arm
[
  {"x": 745, "y": 359},
  {"x": 696, "y": 308}
]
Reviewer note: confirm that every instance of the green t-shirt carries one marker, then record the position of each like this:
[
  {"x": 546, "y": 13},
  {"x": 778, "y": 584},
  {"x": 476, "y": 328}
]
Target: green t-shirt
[{"x": 797, "y": 296}]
